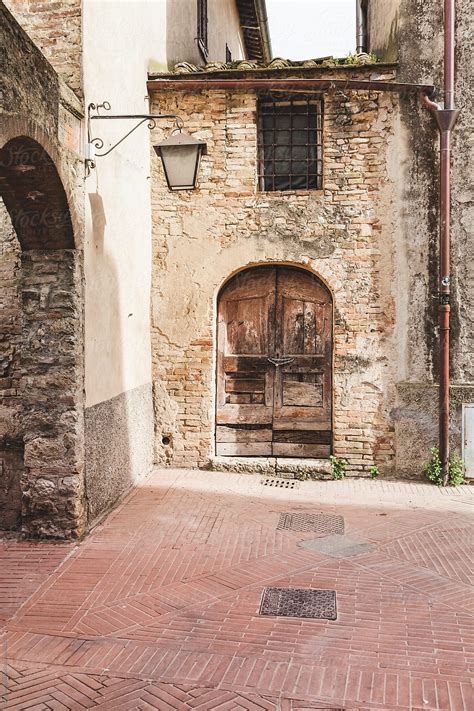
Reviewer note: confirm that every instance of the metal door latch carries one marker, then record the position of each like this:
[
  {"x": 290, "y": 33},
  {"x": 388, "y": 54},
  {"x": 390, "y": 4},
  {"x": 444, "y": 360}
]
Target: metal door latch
[{"x": 280, "y": 361}]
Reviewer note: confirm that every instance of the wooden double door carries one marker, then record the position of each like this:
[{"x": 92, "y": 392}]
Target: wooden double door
[{"x": 274, "y": 365}]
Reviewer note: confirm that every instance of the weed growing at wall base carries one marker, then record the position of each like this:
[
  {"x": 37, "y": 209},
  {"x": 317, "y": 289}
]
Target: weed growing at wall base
[
  {"x": 432, "y": 469},
  {"x": 374, "y": 471},
  {"x": 338, "y": 467}
]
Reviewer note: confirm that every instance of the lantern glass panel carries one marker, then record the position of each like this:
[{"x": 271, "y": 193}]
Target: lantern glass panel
[{"x": 181, "y": 164}]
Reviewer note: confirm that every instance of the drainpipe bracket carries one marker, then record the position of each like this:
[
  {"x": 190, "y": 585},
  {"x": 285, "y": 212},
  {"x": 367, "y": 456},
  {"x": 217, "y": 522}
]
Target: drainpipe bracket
[{"x": 446, "y": 118}]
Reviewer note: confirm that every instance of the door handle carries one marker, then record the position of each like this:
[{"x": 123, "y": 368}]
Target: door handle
[{"x": 280, "y": 361}]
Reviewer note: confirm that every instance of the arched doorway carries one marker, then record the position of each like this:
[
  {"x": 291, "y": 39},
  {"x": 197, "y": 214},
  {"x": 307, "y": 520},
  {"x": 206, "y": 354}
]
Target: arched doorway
[
  {"x": 274, "y": 364},
  {"x": 45, "y": 349}
]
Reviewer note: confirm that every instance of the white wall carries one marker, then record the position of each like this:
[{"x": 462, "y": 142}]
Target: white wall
[{"x": 121, "y": 38}]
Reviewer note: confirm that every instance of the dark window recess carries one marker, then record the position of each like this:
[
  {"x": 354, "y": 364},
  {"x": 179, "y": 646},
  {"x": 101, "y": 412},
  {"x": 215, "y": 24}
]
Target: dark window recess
[
  {"x": 202, "y": 27},
  {"x": 228, "y": 54},
  {"x": 290, "y": 143}
]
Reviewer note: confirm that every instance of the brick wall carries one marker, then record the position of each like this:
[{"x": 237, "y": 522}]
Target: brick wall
[
  {"x": 41, "y": 331},
  {"x": 55, "y": 27},
  {"x": 51, "y": 390},
  {"x": 343, "y": 233}
]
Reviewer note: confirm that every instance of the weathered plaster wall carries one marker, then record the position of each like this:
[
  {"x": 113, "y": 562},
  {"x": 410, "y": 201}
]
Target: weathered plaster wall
[
  {"x": 55, "y": 28},
  {"x": 344, "y": 233},
  {"x": 181, "y": 31},
  {"x": 419, "y": 43},
  {"x": 127, "y": 39},
  {"x": 383, "y": 21}
]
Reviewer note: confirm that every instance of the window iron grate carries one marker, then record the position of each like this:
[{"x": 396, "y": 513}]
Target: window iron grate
[{"x": 290, "y": 144}]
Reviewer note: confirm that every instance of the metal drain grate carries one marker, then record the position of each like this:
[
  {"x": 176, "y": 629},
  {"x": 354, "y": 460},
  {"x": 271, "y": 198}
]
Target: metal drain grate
[
  {"x": 299, "y": 602},
  {"x": 316, "y": 523},
  {"x": 280, "y": 483}
]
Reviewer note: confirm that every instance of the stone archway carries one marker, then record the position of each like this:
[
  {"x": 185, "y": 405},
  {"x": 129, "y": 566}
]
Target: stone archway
[
  {"x": 46, "y": 349},
  {"x": 274, "y": 364}
]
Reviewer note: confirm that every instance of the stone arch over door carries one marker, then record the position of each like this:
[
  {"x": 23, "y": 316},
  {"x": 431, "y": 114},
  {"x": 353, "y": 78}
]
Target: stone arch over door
[
  {"x": 274, "y": 364},
  {"x": 45, "y": 349}
]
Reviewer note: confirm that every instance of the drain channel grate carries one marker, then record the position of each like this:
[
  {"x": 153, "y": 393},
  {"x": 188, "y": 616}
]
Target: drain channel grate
[
  {"x": 280, "y": 483},
  {"x": 316, "y": 523},
  {"x": 299, "y": 602}
]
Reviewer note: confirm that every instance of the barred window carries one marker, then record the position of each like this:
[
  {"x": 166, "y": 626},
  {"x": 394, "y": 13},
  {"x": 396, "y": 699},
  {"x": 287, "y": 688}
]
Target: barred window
[
  {"x": 202, "y": 27},
  {"x": 290, "y": 143}
]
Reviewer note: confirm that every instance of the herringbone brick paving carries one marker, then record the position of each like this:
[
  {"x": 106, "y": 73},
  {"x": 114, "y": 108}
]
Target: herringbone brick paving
[{"x": 158, "y": 608}]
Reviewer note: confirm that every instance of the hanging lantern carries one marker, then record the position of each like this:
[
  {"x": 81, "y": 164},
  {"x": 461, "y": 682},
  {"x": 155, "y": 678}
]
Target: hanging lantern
[{"x": 181, "y": 156}]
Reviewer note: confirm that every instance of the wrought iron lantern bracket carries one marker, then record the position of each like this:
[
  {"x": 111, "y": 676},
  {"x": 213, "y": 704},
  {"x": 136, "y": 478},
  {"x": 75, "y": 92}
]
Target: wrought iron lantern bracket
[{"x": 96, "y": 143}]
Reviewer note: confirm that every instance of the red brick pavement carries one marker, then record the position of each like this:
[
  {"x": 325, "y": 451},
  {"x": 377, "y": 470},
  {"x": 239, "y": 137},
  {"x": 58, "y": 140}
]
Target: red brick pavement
[{"x": 158, "y": 608}]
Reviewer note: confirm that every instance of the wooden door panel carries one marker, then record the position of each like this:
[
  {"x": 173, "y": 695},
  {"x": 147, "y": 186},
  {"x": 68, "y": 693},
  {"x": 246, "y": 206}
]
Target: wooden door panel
[
  {"x": 295, "y": 422},
  {"x": 251, "y": 449},
  {"x": 294, "y": 436},
  {"x": 274, "y": 364},
  {"x": 303, "y": 384},
  {"x": 247, "y": 326},
  {"x": 303, "y": 327},
  {"x": 229, "y": 434},
  {"x": 314, "y": 451},
  {"x": 245, "y": 414},
  {"x": 245, "y": 380},
  {"x": 303, "y": 389}
]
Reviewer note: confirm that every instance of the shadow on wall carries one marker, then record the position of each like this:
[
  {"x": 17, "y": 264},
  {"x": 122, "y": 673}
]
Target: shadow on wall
[
  {"x": 11, "y": 440},
  {"x": 118, "y": 433}
]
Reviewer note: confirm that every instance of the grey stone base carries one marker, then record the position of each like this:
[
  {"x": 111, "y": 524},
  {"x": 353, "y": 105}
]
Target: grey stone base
[
  {"x": 416, "y": 424},
  {"x": 119, "y": 447},
  {"x": 272, "y": 466}
]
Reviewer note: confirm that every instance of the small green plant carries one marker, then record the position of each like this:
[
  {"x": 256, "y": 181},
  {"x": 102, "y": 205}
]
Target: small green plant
[
  {"x": 456, "y": 471},
  {"x": 374, "y": 471},
  {"x": 351, "y": 58},
  {"x": 338, "y": 467},
  {"x": 433, "y": 470},
  {"x": 360, "y": 58}
]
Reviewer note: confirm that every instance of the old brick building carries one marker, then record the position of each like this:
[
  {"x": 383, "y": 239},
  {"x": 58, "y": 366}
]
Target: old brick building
[
  {"x": 367, "y": 231},
  {"x": 76, "y": 417},
  {"x": 317, "y": 200}
]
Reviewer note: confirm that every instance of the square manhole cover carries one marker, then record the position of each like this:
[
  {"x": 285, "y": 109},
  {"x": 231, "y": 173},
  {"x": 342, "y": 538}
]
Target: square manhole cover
[
  {"x": 299, "y": 602},
  {"x": 316, "y": 523},
  {"x": 280, "y": 483}
]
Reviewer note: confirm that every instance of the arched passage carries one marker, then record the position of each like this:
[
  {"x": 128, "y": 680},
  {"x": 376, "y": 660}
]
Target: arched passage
[
  {"x": 274, "y": 364},
  {"x": 47, "y": 345},
  {"x": 34, "y": 196}
]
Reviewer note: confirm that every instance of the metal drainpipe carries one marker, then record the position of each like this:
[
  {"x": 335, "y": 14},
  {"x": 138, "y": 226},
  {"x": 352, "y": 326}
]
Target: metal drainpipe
[
  {"x": 360, "y": 28},
  {"x": 261, "y": 11},
  {"x": 446, "y": 118}
]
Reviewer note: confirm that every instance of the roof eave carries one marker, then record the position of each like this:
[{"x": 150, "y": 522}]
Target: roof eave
[
  {"x": 255, "y": 30},
  {"x": 201, "y": 83}
]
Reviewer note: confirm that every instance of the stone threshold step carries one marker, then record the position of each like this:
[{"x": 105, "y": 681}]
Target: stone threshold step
[{"x": 272, "y": 466}]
